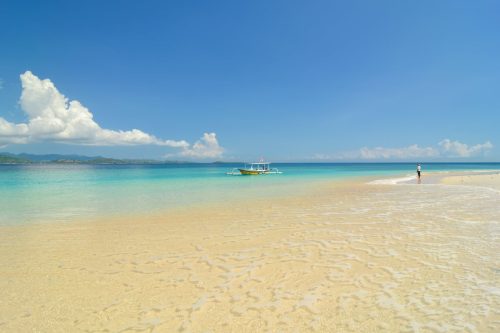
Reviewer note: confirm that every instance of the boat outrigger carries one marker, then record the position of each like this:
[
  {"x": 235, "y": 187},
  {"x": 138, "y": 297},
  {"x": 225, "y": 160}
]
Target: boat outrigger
[{"x": 257, "y": 168}]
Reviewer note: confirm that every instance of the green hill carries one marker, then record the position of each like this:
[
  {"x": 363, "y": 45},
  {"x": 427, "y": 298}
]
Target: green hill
[
  {"x": 9, "y": 158},
  {"x": 6, "y": 159}
]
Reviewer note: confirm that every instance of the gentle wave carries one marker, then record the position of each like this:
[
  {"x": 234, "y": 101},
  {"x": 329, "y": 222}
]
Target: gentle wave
[{"x": 392, "y": 181}]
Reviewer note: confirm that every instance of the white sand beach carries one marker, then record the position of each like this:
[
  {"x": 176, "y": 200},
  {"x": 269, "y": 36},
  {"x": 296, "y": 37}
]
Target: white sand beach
[
  {"x": 347, "y": 257},
  {"x": 490, "y": 180}
]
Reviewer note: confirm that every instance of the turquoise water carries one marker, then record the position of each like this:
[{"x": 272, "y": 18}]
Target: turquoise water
[{"x": 38, "y": 193}]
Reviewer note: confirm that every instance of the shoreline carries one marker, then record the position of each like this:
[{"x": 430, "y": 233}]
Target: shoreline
[
  {"x": 348, "y": 256},
  {"x": 486, "y": 179},
  {"x": 476, "y": 178},
  {"x": 489, "y": 179},
  {"x": 249, "y": 195}
]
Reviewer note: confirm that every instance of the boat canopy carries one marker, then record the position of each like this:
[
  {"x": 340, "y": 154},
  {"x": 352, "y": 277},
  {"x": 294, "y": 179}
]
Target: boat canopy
[{"x": 259, "y": 166}]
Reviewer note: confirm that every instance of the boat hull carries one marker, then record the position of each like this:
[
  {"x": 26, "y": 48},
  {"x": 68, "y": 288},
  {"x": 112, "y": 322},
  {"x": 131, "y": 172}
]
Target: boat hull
[{"x": 251, "y": 172}]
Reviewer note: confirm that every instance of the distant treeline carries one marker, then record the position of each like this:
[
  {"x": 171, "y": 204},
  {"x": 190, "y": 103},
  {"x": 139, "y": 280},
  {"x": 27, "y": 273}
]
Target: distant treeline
[{"x": 8, "y": 158}]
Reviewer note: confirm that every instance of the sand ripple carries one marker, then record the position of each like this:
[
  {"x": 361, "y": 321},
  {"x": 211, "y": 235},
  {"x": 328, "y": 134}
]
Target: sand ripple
[{"x": 358, "y": 258}]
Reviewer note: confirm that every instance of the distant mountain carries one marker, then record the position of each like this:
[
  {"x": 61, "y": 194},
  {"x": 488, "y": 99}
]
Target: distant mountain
[
  {"x": 50, "y": 157},
  {"x": 9, "y": 158}
]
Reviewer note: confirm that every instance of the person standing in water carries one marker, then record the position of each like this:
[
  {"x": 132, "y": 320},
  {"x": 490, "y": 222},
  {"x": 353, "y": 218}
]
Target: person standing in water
[{"x": 419, "y": 169}]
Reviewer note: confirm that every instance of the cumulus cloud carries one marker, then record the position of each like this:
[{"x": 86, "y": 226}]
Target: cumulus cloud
[
  {"x": 323, "y": 157},
  {"x": 444, "y": 149},
  {"x": 206, "y": 147},
  {"x": 52, "y": 117},
  {"x": 13, "y": 133},
  {"x": 459, "y": 149},
  {"x": 397, "y": 153}
]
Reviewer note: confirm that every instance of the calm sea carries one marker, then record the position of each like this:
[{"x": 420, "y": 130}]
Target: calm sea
[{"x": 41, "y": 193}]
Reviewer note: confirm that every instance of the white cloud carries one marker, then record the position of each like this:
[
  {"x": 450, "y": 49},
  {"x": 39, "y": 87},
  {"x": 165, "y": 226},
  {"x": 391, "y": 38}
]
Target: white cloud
[
  {"x": 52, "y": 117},
  {"x": 444, "y": 149},
  {"x": 459, "y": 149},
  {"x": 397, "y": 153},
  {"x": 323, "y": 157},
  {"x": 13, "y": 133},
  {"x": 206, "y": 147}
]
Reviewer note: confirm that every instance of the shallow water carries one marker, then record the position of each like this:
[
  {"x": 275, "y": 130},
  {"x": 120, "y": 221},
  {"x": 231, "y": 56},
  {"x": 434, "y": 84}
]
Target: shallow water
[
  {"x": 349, "y": 258},
  {"x": 64, "y": 193}
]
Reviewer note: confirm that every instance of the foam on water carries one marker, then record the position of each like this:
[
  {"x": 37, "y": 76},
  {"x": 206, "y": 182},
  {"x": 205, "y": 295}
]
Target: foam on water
[{"x": 393, "y": 181}]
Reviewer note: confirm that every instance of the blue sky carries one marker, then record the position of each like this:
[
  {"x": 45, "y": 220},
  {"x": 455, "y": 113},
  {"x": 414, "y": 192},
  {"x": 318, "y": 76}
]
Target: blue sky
[{"x": 287, "y": 80}]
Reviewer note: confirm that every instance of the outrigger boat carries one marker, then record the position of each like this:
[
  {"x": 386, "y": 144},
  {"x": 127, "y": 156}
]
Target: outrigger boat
[{"x": 257, "y": 168}]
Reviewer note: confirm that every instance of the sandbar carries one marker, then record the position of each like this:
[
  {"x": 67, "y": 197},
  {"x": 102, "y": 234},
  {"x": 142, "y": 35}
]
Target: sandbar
[{"x": 342, "y": 257}]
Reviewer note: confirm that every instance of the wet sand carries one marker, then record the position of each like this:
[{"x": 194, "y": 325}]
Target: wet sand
[
  {"x": 484, "y": 179},
  {"x": 347, "y": 257}
]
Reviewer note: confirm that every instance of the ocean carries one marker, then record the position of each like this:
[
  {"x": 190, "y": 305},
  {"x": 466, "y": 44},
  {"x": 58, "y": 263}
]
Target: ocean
[
  {"x": 61, "y": 193},
  {"x": 187, "y": 248}
]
